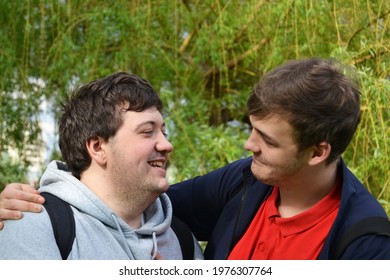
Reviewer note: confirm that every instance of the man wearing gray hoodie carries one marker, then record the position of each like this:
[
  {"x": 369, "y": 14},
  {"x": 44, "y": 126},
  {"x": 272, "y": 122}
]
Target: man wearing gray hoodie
[{"x": 113, "y": 141}]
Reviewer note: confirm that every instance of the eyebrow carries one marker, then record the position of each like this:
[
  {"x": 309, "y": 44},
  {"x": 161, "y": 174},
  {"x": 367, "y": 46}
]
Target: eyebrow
[{"x": 152, "y": 123}]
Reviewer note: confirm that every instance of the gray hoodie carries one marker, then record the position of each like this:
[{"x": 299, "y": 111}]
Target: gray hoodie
[{"x": 100, "y": 233}]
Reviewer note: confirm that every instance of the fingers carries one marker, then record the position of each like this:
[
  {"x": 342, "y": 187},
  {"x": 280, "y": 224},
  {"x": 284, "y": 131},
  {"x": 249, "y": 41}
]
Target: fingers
[
  {"x": 158, "y": 257},
  {"x": 9, "y": 215},
  {"x": 21, "y": 192},
  {"x": 9, "y": 208},
  {"x": 16, "y": 198}
]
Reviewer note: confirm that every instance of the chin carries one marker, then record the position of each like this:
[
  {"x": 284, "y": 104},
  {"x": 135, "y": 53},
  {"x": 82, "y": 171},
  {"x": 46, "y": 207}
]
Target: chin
[
  {"x": 164, "y": 186},
  {"x": 257, "y": 172},
  {"x": 262, "y": 178}
]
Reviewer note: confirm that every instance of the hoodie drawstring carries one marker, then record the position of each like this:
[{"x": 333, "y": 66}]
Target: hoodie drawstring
[
  {"x": 126, "y": 245},
  {"x": 155, "y": 248}
]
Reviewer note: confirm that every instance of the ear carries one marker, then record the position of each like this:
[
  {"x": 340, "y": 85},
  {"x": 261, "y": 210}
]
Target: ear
[
  {"x": 320, "y": 153},
  {"x": 96, "y": 150}
]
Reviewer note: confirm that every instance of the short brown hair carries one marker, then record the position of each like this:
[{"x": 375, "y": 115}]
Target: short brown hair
[
  {"x": 317, "y": 99},
  {"x": 94, "y": 110}
]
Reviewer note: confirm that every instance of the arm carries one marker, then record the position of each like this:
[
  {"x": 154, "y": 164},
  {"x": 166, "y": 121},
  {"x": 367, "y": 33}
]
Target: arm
[
  {"x": 199, "y": 201},
  {"x": 16, "y": 198}
]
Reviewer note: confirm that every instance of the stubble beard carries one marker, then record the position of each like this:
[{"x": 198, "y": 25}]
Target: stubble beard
[{"x": 277, "y": 175}]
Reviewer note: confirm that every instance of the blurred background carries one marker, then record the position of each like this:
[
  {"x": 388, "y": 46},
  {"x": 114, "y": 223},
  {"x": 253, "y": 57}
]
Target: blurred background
[{"x": 202, "y": 56}]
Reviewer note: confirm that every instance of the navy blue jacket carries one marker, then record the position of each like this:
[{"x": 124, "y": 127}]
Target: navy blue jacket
[{"x": 219, "y": 206}]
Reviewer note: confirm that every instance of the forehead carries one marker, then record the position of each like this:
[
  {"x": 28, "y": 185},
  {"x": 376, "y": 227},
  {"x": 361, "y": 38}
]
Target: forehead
[
  {"x": 271, "y": 119},
  {"x": 149, "y": 116},
  {"x": 274, "y": 125}
]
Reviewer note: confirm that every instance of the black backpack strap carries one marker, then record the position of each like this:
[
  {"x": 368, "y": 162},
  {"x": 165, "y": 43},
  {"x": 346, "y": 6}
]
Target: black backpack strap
[
  {"x": 370, "y": 225},
  {"x": 184, "y": 235},
  {"x": 62, "y": 221}
]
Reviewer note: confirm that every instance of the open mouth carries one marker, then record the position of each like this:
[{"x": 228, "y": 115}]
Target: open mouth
[{"x": 156, "y": 163}]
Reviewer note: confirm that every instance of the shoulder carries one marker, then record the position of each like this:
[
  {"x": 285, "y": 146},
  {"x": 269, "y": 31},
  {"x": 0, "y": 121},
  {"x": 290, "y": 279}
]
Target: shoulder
[
  {"x": 356, "y": 201},
  {"x": 31, "y": 222},
  {"x": 368, "y": 247},
  {"x": 31, "y": 237}
]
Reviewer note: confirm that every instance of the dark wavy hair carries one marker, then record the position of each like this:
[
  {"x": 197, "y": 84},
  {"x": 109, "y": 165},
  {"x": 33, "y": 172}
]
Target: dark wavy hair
[
  {"x": 318, "y": 100},
  {"x": 94, "y": 110}
]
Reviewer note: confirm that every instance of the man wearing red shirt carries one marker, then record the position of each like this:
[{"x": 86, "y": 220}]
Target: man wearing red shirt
[{"x": 294, "y": 198}]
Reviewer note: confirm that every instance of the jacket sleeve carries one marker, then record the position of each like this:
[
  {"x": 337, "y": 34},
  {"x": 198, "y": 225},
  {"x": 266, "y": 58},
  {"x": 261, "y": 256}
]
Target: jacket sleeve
[
  {"x": 199, "y": 201},
  {"x": 368, "y": 247}
]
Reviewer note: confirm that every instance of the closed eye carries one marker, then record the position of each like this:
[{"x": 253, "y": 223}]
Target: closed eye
[
  {"x": 148, "y": 132},
  {"x": 267, "y": 139}
]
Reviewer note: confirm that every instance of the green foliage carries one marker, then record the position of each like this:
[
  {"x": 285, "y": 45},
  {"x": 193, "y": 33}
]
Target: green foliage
[
  {"x": 203, "y": 57},
  {"x": 372, "y": 138},
  {"x": 11, "y": 171},
  {"x": 206, "y": 147}
]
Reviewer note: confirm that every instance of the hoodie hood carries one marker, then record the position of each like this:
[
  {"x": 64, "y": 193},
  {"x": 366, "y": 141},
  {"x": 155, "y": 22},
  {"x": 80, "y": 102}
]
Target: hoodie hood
[{"x": 156, "y": 218}]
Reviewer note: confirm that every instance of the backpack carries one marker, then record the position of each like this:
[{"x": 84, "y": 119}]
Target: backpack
[{"x": 64, "y": 228}]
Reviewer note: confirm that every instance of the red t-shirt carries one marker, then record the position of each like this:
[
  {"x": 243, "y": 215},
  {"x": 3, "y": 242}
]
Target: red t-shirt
[{"x": 301, "y": 237}]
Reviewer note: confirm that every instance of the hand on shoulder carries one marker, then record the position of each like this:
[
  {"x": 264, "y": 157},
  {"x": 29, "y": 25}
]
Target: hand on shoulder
[{"x": 17, "y": 198}]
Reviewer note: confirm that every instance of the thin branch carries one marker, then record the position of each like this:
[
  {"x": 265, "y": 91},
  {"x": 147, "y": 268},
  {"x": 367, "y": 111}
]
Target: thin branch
[
  {"x": 366, "y": 26},
  {"x": 366, "y": 57},
  {"x": 235, "y": 61},
  {"x": 245, "y": 27}
]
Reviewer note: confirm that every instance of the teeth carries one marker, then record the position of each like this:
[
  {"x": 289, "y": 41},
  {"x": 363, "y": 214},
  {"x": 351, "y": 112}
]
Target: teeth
[{"x": 156, "y": 164}]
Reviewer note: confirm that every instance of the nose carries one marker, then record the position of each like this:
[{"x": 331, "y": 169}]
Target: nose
[
  {"x": 163, "y": 145},
  {"x": 250, "y": 144}
]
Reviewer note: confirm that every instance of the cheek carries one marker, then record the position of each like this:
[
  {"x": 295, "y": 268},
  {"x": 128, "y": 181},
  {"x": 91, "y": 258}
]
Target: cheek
[
  {"x": 142, "y": 151},
  {"x": 130, "y": 154},
  {"x": 276, "y": 157},
  {"x": 272, "y": 154},
  {"x": 139, "y": 146}
]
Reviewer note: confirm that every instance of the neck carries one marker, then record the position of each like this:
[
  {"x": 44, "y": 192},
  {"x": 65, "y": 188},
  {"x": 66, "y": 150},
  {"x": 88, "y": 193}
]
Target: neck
[
  {"x": 128, "y": 204},
  {"x": 306, "y": 189}
]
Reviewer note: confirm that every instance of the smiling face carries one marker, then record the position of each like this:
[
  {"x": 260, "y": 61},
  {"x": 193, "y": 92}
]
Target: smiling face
[
  {"x": 276, "y": 160},
  {"x": 137, "y": 155}
]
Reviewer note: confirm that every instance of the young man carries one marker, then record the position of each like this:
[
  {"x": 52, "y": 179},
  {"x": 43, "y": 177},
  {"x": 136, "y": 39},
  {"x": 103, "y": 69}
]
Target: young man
[
  {"x": 295, "y": 198},
  {"x": 112, "y": 139}
]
